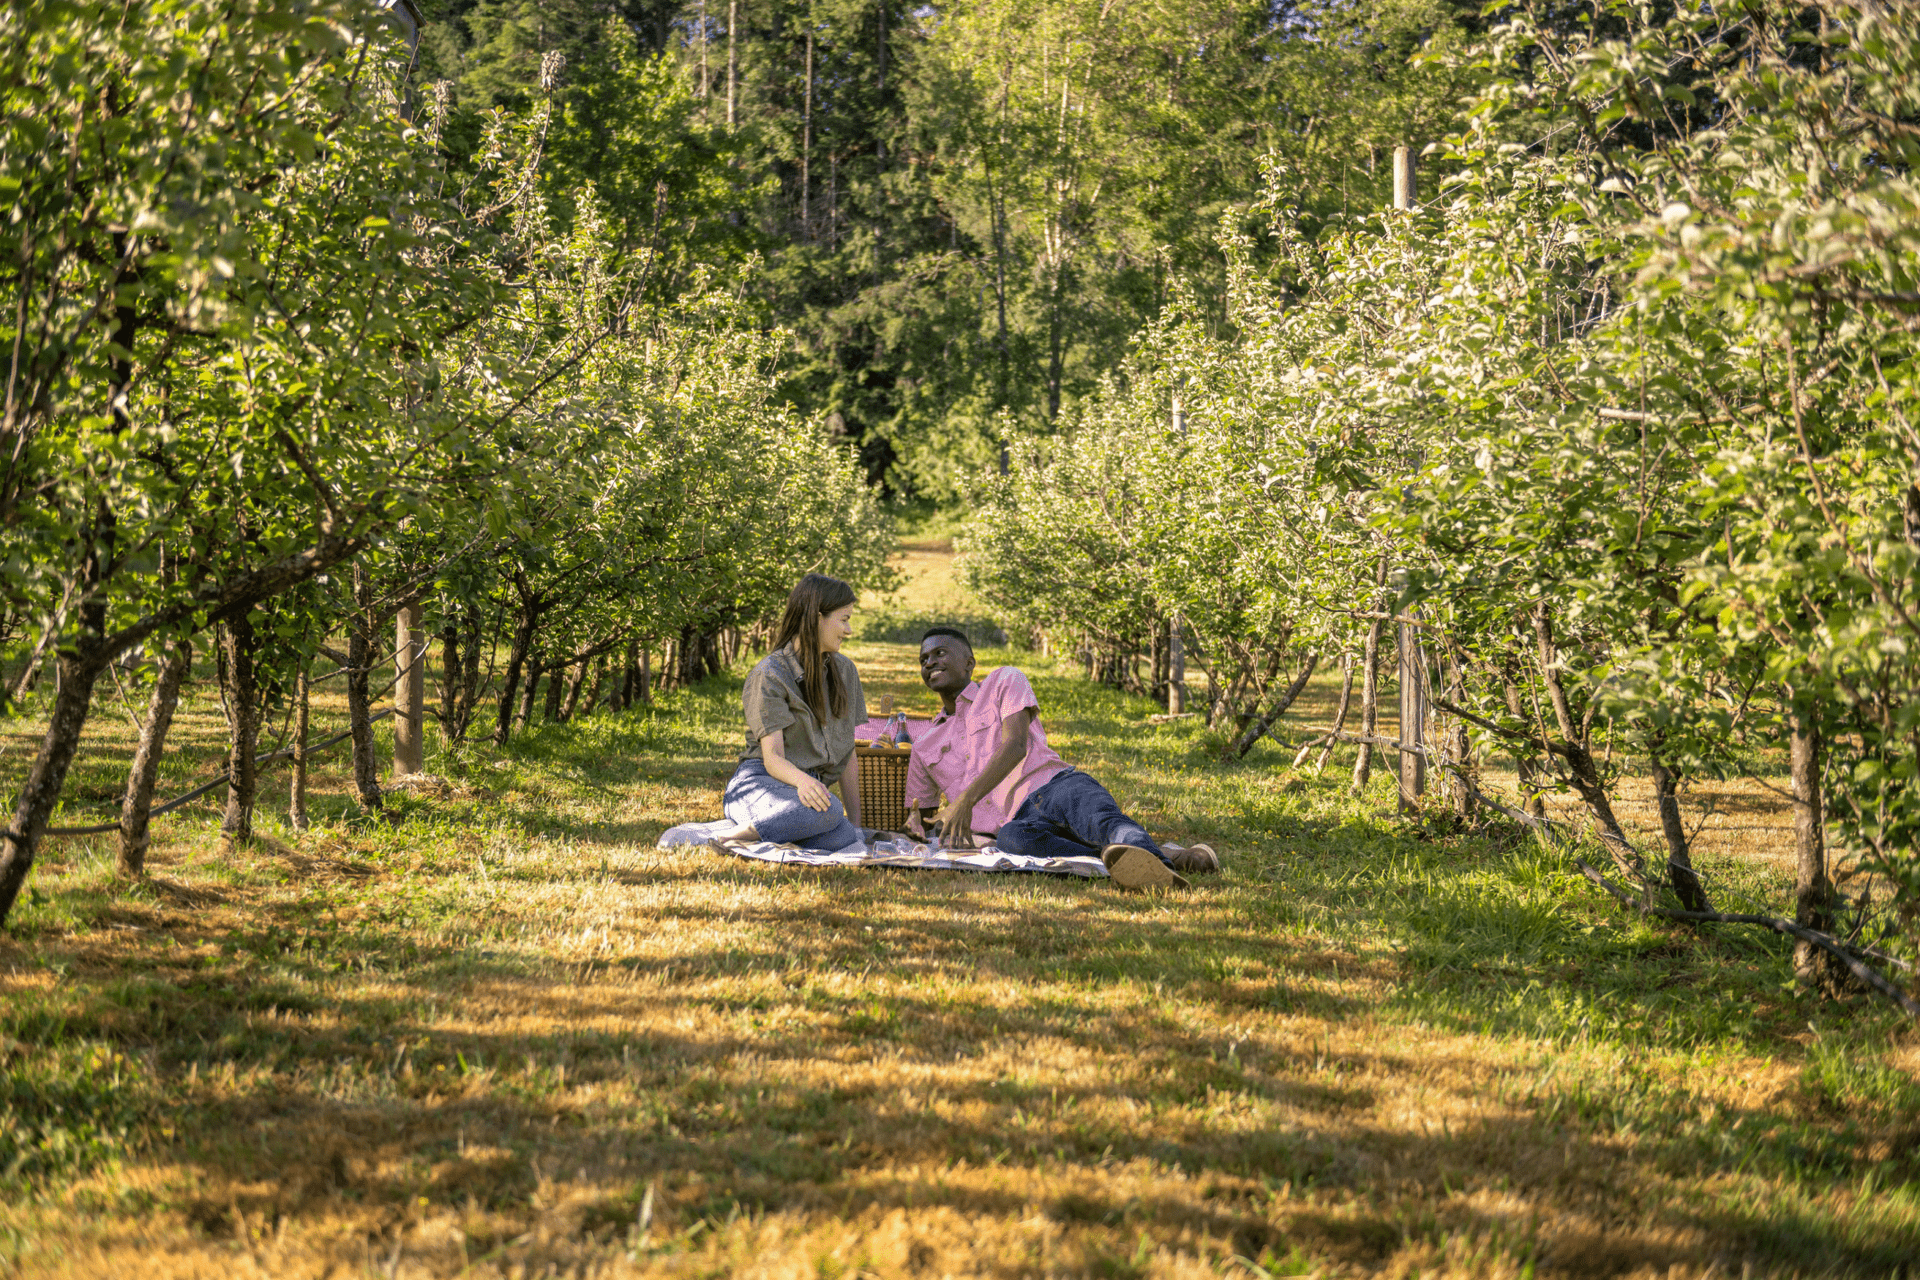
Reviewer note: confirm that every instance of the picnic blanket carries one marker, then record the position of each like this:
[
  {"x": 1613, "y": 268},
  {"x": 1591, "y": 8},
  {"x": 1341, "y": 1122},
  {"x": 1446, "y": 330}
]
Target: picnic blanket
[{"x": 881, "y": 849}]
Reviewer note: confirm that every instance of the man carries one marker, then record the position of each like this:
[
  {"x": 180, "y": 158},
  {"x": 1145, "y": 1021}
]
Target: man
[{"x": 987, "y": 753}]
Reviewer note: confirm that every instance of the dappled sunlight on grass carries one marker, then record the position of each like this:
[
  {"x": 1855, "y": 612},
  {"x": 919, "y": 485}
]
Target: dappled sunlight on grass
[{"x": 505, "y": 1034}]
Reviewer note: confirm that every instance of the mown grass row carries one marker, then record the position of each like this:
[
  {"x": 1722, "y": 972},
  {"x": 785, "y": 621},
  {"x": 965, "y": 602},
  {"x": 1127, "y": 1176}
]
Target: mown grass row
[{"x": 502, "y": 1031}]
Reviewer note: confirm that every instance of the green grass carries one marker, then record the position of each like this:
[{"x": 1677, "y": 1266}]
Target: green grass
[{"x": 482, "y": 1036}]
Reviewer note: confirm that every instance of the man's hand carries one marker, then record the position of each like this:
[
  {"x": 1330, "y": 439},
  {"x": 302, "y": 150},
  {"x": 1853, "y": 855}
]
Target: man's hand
[
  {"x": 916, "y": 826},
  {"x": 956, "y": 824}
]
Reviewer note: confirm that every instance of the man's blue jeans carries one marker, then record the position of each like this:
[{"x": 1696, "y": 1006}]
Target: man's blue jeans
[
  {"x": 1071, "y": 817},
  {"x": 774, "y": 810}
]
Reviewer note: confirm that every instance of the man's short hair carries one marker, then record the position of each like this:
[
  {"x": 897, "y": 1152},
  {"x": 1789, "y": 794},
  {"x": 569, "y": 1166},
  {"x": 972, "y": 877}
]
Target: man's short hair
[{"x": 955, "y": 632}]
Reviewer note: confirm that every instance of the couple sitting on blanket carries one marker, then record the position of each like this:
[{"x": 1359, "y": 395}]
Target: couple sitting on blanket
[{"x": 986, "y": 752}]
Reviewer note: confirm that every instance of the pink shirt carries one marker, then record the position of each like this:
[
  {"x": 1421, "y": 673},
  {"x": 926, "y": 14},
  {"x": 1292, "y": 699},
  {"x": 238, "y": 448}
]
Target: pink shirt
[{"x": 952, "y": 751}]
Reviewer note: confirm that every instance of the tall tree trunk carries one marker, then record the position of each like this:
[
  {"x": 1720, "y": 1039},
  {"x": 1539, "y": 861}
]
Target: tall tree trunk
[
  {"x": 706, "y": 81},
  {"x": 360, "y": 651},
  {"x": 641, "y": 675},
  {"x": 806, "y": 146},
  {"x": 1056, "y": 340},
  {"x": 79, "y": 667},
  {"x": 241, "y": 646},
  {"x": 137, "y": 802},
  {"x": 1812, "y": 890},
  {"x": 1666, "y": 793},
  {"x": 1370, "y": 684},
  {"x": 733, "y": 63},
  {"x": 302, "y": 716}
]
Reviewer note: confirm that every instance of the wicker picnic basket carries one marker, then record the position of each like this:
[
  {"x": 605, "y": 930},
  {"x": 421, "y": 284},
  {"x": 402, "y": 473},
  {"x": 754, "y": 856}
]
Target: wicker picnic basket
[{"x": 883, "y": 787}]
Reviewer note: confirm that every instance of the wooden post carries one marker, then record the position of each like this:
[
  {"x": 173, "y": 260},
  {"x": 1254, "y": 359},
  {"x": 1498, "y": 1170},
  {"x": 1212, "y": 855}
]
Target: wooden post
[
  {"x": 1413, "y": 684},
  {"x": 1413, "y": 718},
  {"x": 1176, "y": 643},
  {"x": 410, "y": 693}
]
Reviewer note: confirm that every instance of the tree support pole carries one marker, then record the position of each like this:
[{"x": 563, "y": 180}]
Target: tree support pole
[{"x": 410, "y": 693}]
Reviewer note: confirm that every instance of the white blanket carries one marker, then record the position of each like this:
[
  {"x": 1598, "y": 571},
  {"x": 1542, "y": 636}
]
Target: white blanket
[{"x": 880, "y": 849}]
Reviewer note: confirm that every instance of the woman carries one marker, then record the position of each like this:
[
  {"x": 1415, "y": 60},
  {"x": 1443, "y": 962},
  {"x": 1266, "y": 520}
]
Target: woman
[{"x": 802, "y": 702}]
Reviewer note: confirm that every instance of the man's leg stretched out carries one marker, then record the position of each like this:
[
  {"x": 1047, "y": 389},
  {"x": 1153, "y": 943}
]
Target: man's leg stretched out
[{"x": 1073, "y": 816}]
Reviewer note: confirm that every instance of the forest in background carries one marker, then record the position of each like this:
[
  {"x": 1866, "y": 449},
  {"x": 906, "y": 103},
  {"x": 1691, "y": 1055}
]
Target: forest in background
[{"x": 960, "y": 215}]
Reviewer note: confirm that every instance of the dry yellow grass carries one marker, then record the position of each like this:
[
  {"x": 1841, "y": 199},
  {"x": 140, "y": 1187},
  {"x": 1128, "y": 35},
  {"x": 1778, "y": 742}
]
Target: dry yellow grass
[{"x": 511, "y": 1038}]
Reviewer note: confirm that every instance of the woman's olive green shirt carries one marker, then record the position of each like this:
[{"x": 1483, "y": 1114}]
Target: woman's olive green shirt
[{"x": 776, "y": 703}]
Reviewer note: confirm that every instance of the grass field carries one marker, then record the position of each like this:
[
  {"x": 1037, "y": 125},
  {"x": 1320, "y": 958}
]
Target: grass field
[{"x": 505, "y": 1036}]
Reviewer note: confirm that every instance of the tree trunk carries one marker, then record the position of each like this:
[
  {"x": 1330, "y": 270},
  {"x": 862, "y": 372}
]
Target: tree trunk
[
  {"x": 470, "y": 676},
  {"x": 733, "y": 63},
  {"x": 516, "y": 663},
  {"x": 1157, "y": 664},
  {"x": 1056, "y": 341},
  {"x": 138, "y": 800},
  {"x": 1176, "y": 669},
  {"x": 360, "y": 650},
  {"x": 1813, "y": 890},
  {"x": 1585, "y": 773},
  {"x": 1666, "y": 791},
  {"x": 596, "y": 685},
  {"x": 1528, "y": 767},
  {"x": 556, "y": 689},
  {"x": 531, "y": 695},
  {"x": 641, "y": 675},
  {"x": 1339, "y": 718},
  {"x": 1458, "y": 745},
  {"x": 1370, "y": 687},
  {"x": 30, "y": 674},
  {"x": 806, "y": 147},
  {"x": 1413, "y": 717},
  {"x": 449, "y": 677},
  {"x": 302, "y": 713},
  {"x": 78, "y": 670},
  {"x": 1278, "y": 709},
  {"x": 576, "y": 678},
  {"x": 241, "y": 646}
]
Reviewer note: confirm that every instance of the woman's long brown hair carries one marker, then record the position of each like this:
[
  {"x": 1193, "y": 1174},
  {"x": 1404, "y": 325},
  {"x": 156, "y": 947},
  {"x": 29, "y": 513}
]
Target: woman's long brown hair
[{"x": 813, "y": 598}]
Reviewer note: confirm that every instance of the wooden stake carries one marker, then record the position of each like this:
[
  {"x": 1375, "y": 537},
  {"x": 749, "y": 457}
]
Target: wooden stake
[
  {"x": 409, "y": 693},
  {"x": 1413, "y": 719}
]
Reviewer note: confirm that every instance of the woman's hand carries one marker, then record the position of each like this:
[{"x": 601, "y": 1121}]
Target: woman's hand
[{"x": 813, "y": 793}]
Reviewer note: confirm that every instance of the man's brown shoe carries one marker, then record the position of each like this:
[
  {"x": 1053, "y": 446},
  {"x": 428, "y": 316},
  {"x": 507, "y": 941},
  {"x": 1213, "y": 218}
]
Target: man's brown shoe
[
  {"x": 1194, "y": 859},
  {"x": 1137, "y": 869}
]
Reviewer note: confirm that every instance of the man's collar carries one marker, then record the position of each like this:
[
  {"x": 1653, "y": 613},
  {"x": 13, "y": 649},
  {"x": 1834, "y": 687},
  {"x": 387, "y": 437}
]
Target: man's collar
[{"x": 965, "y": 695}]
